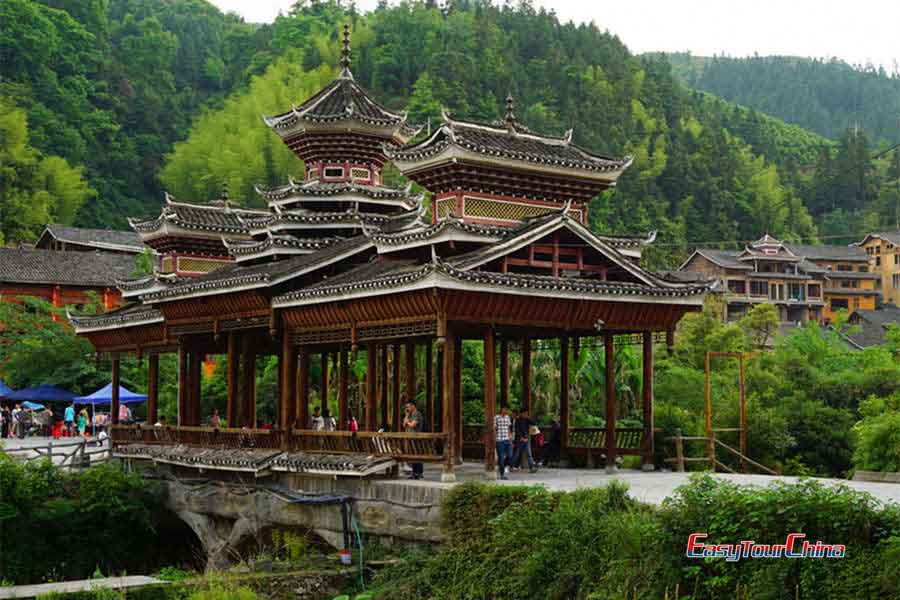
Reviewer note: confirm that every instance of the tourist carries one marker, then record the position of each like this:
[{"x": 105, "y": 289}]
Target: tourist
[
  {"x": 5, "y": 417},
  {"x": 551, "y": 451},
  {"x": 161, "y": 422},
  {"x": 328, "y": 422},
  {"x": 503, "y": 440},
  {"x": 214, "y": 420},
  {"x": 523, "y": 425},
  {"x": 352, "y": 425},
  {"x": 47, "y": 422},
  {"x": 82, "y": 422},
  {"x": 317, "y": 423},
  {"x": 69, "y": 418},
  {"x": 124, "y": 414},
  {"x": 412, "y": 423}
]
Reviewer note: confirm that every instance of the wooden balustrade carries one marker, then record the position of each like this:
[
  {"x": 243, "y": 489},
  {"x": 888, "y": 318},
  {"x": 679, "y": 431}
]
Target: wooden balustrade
[
  {"x": 207, "y": 437},
  {"x": 412, "y": 447}
]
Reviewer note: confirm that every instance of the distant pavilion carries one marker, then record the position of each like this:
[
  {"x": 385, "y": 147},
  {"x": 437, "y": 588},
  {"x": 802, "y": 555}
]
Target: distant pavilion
[{"x": 341, "y": 264}]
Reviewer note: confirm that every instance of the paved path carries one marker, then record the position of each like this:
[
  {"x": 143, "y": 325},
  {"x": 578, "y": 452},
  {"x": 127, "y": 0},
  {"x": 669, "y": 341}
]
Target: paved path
[
  {"x": 82, "y": 585},
  {"x": 652, "y": 487}
]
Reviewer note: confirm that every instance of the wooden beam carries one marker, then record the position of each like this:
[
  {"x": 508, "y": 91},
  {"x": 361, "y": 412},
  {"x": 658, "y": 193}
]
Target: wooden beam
[
  {"x": 526, "y": 374},
  {"x": 152, "y": 388},
  {"x": 410, "y": 358},
  {"x": 323, "y": 381},
  {"x": 429, "y": 386},
  {"x": 490, "y": 400},
  {"x": 447, "y": 396},
  {"x": 249, "y": 377},
  {"x": 647, "y": 401},
  {"x": 288, "y": 364},
  {"x": 383, "y": 398},
  {"x": 371, "y": 386},
  {"x": 395, "y": 390},
  {"x": 343, "y": 409},
  {"x": 183, "y": 387},
  {"x": 114, "y": 402},
  {"x": 232, "y": 412},
  {"x": 609, "y": 355},
  {"x": 196, "y": 373},
  {"x": 303, "y": 390},
  {"x": 564, "y": 390},
  {"x": 504, "y": 374}
]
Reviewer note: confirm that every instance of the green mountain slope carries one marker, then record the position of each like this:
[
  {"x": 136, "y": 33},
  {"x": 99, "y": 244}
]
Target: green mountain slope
[
  {"x": 146, "y": 93},
  {"x": 825, "y": 96}
]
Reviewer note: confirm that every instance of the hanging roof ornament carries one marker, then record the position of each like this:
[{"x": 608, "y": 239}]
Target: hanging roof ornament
[
  {"x": 510, "y": 118},
  {"x": 345, "y": 53}
]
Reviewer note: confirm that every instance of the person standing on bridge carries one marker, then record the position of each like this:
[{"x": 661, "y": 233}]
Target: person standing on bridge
[
  {"x": 412, "y": 423},
  {"x": 69, "y": 418},
  {"x": 503, "y": 439}
]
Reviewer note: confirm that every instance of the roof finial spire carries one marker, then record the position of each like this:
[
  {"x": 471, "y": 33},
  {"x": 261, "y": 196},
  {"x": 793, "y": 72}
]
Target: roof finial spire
[
  {"x": 510, "y": 117},
  {"x": 345, "y": 53}
]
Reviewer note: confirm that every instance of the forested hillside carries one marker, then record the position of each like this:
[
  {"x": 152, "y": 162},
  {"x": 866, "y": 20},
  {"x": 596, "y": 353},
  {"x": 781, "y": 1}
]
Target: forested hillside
[
  {"x": 825, "y": 96},
  {"x": 111, "y": 87}
]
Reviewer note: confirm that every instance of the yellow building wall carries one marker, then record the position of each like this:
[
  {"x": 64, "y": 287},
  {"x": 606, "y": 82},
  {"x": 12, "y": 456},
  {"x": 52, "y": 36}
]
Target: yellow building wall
[{"x": 889, "y": 265}]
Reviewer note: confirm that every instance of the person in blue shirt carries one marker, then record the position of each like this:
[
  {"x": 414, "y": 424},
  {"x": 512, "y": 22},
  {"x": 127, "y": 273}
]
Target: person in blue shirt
[{"x": 70, "y": 418}]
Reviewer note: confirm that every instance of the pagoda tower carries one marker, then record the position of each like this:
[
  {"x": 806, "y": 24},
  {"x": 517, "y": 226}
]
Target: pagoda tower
[{"x": 503, "y": 173}]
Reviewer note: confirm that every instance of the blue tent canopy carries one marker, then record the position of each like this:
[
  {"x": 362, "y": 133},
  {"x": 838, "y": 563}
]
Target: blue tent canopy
[
  {"x": 32, "y": 405},
  {"x": 5, "y": 390},
  {"x": 42, "y": 394},
  {"x": 104, "y": 396}
]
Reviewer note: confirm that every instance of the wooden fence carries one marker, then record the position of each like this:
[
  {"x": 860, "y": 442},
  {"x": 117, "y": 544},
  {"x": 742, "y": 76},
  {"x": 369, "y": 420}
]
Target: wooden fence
[
  {"x": 412, "y": 447},
  {"x": 709, "y": 457},
  {"x": 77, "y": 453}
]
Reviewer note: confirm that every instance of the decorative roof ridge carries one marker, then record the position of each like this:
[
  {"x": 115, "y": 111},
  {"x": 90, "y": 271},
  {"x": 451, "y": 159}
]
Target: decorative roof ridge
[
  {"x": 131, "y": 314},
  {"x": 434, "y": 229},
  {"x": 284, "y": 241}
]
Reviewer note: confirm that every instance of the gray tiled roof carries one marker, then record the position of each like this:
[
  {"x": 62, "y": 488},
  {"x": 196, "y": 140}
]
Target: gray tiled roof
[
  {"x": 512, "y": 143},
  {"x": 872, "y": 325},
  {"x": 826, "y": 252},
  {"x": 97, "y": 238},
  {"x": 88, "y": 269}
]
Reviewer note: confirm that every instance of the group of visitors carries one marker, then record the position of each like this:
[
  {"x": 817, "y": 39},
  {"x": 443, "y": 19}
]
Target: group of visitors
[
  {"x": 21, "y": 421},
  {"x": 513, "y": 437}
]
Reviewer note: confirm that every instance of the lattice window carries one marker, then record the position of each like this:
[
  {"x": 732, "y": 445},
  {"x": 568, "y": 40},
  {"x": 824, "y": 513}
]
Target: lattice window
[
  {"x": 358, "y": 173},
  {"x": 167, "y": 264},
  {"x": 334, "y": 172},
  {"x": 320, "y": 337},
  {"x": 445, "y": 207},
  {"x": 502, "y": 211},
  {"x": 190, "y": 264},
  {"x": 399, "y": 330}
]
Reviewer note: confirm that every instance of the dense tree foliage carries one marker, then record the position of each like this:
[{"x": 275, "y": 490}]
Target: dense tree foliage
[{"x": 600, "y": 544}]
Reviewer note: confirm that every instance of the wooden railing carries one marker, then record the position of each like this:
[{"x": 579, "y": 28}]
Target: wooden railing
[
  {"x": 412, "y": 447},
  {"x": 206, "y": 437},
  {"x": 629, "y": 440},
  {"x": 709, "y": 457},
  {"x": 72, "y": 454}
]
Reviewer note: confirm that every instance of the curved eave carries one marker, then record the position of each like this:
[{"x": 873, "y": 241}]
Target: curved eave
[
  {"x": 84, "y": 325},
  {"x": 443, "y": 277},
  {"x": 176, "y": 228},
  {"x": 446, "y": 231},
  {"x": 293, "y": 125},
  {"x": 451, "y": 153}
]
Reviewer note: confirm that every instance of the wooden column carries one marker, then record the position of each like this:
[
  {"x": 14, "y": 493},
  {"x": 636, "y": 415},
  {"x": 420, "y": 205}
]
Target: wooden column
[
  {"x": 526, "y": 374},
  {"x": 383, "y": 398},
  {"x": 288, "y": 401},
  {"x": 344, "y": 374},
  {"x": 609, "y": 351},
  {"x": 323, "y": 385},
  {"x": 647, "y": 398},
  {"x": 371, "y": 386},
  {"x": 504, "y": 373},
  {"x": 395, "y": 390},
  {"x": 439, "y": 422},
  {"x": 249, "y": 381},
  {"x": 410, "y": 358},
  {"x": 114, "y": 402},
  {"x": 670, "y": 341},
  {"x": 564, "y": 391},
  {"x": 183, "y": 386},
  {"x": 457, "y": 398},
  {"x": 490, "y": 401},
  {"x": 194, "y": 409},
  {"x": 152, "y": 388},
  {"x": 429, "y": 387},
  {"x": 303, "y": 389},
  {"x": 448, "y": 373},
  {"x": 232, "y": 405},
  {"x": 576, "y": 347}
]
